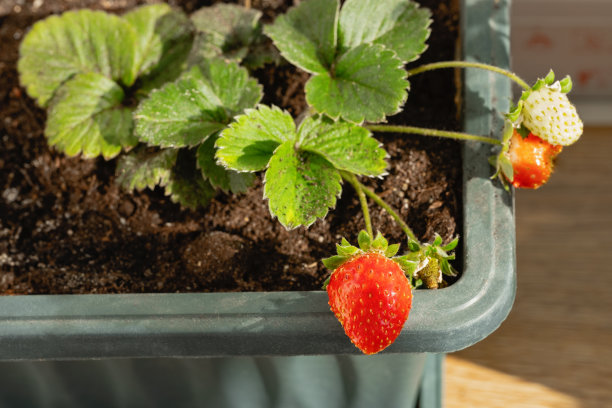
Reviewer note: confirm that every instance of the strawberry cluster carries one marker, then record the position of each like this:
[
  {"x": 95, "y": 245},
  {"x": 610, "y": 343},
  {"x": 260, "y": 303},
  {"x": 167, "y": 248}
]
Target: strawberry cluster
[
  {"x": 539, "y": 126},
  {"x": 370, "y": 288}
]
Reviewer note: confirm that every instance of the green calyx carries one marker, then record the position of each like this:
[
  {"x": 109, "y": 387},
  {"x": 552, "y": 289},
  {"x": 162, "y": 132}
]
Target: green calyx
[
  {"x": 423, "y": 264},
  {"x": 564, "y": 86},
  {"x": 367, "y": 243},
  {"x": 501, "y": 162},
  {"x": 432, "y": 262}
]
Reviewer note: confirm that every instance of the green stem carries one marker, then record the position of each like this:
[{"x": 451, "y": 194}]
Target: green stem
[
  {"x": 376, "y": 198},
  {"x": 465, "y": 64},
  {"x": 350, "y": 177},
  {"x": 432, "y": 132}
]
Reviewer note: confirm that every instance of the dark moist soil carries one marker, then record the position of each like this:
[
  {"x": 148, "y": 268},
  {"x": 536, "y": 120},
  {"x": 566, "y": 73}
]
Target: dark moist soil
[{"x": 65, "y": 226}]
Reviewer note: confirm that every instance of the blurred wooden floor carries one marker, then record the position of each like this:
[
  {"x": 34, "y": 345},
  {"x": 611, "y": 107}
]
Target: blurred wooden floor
[{"x": 555, "y": 348}]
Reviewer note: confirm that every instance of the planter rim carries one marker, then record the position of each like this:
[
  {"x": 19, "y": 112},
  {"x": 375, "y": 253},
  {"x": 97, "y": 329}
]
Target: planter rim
[{"x": 300, "y": 323}]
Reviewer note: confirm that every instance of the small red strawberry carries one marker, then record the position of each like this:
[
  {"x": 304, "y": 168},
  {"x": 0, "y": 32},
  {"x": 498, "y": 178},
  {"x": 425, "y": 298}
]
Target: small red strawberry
[
  {"x": 369, "y": 292},
  {"x": 532, "y": 160}
]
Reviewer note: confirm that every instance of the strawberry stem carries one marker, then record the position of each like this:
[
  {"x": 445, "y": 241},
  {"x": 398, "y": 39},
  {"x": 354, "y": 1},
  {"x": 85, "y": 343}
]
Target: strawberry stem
[
  {"x": 376, "y": 198},
  {"x": 432, "y": 132},
  {"x": 350, "y": 177},
  {"x": 465, "y": 64}
]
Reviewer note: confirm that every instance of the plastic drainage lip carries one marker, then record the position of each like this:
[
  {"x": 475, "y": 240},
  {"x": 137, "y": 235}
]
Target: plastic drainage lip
[{"x": 300, "y": 323}]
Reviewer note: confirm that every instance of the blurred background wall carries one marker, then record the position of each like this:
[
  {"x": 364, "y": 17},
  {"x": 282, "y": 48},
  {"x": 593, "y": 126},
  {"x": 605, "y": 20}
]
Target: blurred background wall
[{"x": 574, "y": 37}]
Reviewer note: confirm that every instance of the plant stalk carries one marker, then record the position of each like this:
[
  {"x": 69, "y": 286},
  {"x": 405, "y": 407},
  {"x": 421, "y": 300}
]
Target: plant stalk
[
  {"x": 376, "y": 198},
  {"x": 466, "y": 64},
  {"x": 350, "y": 177},
  {"x": 391, "y": 212},
  {"x": 432, "y": 132}
]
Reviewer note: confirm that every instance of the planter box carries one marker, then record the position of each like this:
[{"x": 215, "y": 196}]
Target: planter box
[{"x": 278, "y": 324}]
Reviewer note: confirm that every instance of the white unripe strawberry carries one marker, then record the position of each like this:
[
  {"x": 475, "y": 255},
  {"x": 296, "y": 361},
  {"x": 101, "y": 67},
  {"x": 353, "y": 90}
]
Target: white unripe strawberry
[{"x": 548, "y": 113}]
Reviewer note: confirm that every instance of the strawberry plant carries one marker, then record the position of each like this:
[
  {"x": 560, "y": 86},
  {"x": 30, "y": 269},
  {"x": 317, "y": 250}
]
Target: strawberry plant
[
  {"x": 173, "y": 97},
  {"x": 113, "y": 84},
  {"x": 356, "y": 54}
]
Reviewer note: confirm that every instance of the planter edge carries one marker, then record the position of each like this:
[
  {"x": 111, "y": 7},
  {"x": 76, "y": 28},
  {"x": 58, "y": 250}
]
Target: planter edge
[{"x": 300, "y": 323}]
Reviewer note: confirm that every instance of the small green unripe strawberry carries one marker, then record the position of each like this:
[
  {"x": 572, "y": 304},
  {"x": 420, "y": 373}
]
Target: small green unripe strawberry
[{"x": 549, "y": 114}]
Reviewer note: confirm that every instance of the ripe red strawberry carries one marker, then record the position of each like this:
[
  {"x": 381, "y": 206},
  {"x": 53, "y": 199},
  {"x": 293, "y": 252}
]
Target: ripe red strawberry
[
  {"x": 371, "y": 297},
  {"x": 369, "y": 292},
  {"x": 531, "y": 159}
]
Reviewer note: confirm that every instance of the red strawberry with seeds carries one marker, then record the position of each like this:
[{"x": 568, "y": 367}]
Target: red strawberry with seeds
[
  {"x": 371, "y": 297},
  {"x": 369, "y": 292}
]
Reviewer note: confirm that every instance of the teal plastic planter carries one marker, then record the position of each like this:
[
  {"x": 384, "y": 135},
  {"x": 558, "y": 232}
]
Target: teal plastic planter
[{"x": 278, "y": 348}]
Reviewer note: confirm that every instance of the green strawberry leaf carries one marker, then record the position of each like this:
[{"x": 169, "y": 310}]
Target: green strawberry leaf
[
  {"x": 191, "y": 192},
  {"x": 232, "y": 84},
  {"x": 345, "y": 145},
  {"x": 186, "y": 185},
  {"x": 261, "y": 53},
  {"x": 145, "y": 168},
  {"x": 302, "y": 178},
  {"x": 307, "y": 34},
  {"x": 368, "y": 83},
  {"x": 85, "y": 116},
  {"x": 198, "y": 104},
  {"x": 83, "y": 41},
  {"x": 399, "y": 25},
  {"x": 231, "y": 28},
  {"x": 219, "y": 176},
  {"x": 301, "y": 186},
  {"x": 249, "y": 142},
  {"x": 162, "y": 36},
  {"x": 356, "y": 55},
  {"x": 182, "y": 113},
  {"x": 202, "y": 50}
]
